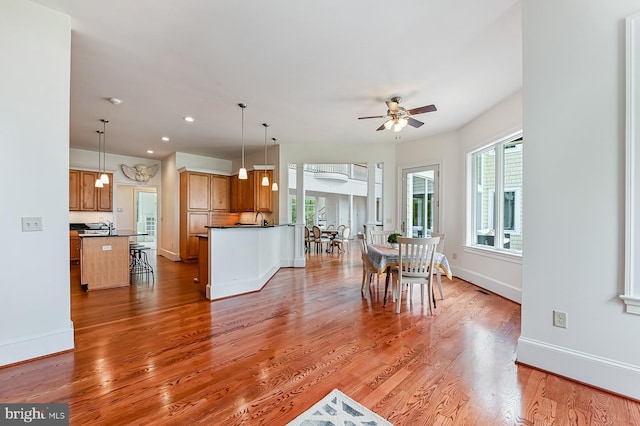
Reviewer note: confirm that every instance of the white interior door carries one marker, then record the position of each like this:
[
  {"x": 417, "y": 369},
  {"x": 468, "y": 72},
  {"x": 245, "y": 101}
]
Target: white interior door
[{"x": 420, "y": 201}]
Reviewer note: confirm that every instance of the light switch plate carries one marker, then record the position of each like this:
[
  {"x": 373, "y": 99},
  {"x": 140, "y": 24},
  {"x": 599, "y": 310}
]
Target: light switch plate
[{"x": 31, "y": 224}]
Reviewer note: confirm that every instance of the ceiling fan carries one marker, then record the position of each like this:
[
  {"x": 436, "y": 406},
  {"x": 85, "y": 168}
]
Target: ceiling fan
[{"x": 398, "y": 117}]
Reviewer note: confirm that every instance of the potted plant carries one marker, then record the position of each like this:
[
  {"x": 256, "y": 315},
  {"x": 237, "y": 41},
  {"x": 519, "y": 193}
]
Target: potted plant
[{"x": 393, "y": 239}]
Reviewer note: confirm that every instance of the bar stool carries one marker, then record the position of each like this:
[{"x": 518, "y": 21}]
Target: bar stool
[{"x": 139, "y": 262}]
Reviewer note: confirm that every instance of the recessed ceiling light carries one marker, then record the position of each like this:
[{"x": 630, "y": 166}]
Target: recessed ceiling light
[
  {"x": 166, "y": 139},
  {"x": 189, "y": 119},
  {"x": 149, "y": 151}
]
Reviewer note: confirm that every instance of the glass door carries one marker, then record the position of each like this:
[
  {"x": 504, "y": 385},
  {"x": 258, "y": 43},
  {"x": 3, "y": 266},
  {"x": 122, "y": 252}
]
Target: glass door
[{"x": 420, "y": 201}]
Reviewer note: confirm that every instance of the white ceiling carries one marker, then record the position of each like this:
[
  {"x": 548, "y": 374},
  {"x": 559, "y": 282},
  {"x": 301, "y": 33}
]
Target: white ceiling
[{"x": 308, "y": 68}]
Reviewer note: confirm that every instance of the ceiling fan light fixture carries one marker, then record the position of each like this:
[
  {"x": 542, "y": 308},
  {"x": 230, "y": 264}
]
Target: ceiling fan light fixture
[{"x": 388, "y": 124}]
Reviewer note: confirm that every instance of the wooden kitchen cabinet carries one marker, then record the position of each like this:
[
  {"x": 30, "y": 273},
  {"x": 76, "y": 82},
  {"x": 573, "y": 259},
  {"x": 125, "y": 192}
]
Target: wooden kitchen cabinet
[
  {"x": 248, "y": 195},
  {"x": 104, "y": 196},
  {"x": 202, "y": 196},
  {"x": 264, "y": 194},
  {"x": 74, "y": 246},
  {"x": 84, "y": 196},
  {"x": 220, "y": 193},
  {"x": 74, "y": 190},
  {"x": 88, "y": 191}
]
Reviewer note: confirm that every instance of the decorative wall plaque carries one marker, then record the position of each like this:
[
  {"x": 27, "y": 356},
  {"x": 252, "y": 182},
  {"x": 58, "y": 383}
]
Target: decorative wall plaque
[{"x": 139, "y": 172}]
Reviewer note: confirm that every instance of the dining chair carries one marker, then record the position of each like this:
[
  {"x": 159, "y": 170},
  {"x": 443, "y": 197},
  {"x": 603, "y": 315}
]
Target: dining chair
[
  {"x": 319, "y": 240},
  {"x": 308, "y": 239},
  {"x": 342, "y": 240},
  {"x": 415, "y": 266},
  {"x": 439, "y": 249},
  {"x": 367, "y": 267},
  {"x": 340, "y": 229},
  {"x": 378, "y": 237},
  {"x": 332, "y": 226}
]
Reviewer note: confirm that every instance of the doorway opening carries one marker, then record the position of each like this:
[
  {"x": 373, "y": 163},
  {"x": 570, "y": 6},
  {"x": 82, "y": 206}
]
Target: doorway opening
[
  {"x": 420, "y": 201},
  {"x": 137, "y": 213}
]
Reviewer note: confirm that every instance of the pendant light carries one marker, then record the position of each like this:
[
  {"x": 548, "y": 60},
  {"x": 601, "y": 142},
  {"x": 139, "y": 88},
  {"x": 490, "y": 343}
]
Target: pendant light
[
  {"x": 104, "y": 177},
  {"x": 242, "y": 174},
  {"x": 265, "y": 178},
  {"x": 274, "y": 185},
  {"x": 99, "y": 183}
]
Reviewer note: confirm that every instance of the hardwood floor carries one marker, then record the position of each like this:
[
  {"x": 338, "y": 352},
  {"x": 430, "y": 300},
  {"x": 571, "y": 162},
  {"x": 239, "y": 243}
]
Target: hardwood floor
[{"x": 159, "y": 353}]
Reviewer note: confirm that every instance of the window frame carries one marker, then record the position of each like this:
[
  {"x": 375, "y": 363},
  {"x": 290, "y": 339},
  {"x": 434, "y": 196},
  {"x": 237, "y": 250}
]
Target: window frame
[{"x": 495, "y": 209}]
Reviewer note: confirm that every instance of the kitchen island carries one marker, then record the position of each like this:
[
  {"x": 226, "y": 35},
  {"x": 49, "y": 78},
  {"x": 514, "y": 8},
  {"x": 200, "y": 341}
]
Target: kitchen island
[
  {"x": 242, "y": 259},
  {"x": 104, "y": 261}
]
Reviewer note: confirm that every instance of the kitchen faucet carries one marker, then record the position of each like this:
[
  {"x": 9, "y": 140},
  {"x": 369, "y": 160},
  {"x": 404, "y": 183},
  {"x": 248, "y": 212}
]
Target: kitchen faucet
[{"x": 263, "y": 223}]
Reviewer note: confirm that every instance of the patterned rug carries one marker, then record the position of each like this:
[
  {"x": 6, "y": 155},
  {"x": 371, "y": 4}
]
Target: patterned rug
[{"x": 337, "y": 409}]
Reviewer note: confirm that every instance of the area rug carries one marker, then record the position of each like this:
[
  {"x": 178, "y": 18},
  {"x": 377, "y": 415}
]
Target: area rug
[{"x": 337, "y": 409}]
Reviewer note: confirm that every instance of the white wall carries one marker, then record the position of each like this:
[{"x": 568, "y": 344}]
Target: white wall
[
  {"x": 35, "y": 315},
  {"x": 574, "y": 131},
  {"x": 498, "y": 274}
]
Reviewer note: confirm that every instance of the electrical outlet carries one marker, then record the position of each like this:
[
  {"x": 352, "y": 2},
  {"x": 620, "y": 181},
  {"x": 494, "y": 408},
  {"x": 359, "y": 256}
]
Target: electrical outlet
[
  {"x": 31, "y": 224},
  {"x": 560, "y": 319}
]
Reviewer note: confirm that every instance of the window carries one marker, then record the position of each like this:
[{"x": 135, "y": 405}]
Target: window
[{"x": 496, "y": 212}]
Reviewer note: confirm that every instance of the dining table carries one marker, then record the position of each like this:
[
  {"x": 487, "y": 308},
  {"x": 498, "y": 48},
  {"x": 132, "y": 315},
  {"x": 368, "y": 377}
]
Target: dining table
[
  {"x": 331, "y": 233},
  {"x": 385, "y": 256}
]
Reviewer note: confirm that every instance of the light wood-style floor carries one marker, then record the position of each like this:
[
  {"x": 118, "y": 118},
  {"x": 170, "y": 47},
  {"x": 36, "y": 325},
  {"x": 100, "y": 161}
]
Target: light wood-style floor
[{"x": 161, "y": 354}]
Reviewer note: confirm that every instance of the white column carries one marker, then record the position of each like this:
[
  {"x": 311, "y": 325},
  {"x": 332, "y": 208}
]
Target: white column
[
  {"x": 350, "y": 220},
  {"x": 371, "y": 196},
  {"x": 299, "y": 259}
]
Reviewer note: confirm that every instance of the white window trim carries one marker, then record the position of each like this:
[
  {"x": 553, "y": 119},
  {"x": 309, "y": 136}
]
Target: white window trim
[
  {"x": 517, "y": 206},
  {"x": 470, "y": 239},
  {"x": 631, "y": 296}
]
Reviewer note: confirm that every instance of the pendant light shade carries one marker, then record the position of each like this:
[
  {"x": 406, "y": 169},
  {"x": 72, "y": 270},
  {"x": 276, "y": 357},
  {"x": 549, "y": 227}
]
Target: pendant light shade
[
  {"x": 99, "y": 183},
  {"x": 274, "y": 185},
  {"x": 104, "y": 177},
  {"x": 265, "y": 178},
  {"x": 242, "y": 174}
]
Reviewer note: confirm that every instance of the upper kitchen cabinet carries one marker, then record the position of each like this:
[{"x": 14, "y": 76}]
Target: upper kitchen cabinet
[
  {"x": 204, "y": 192},
  {"x": 74, "y": 190},
  {"x": 220, "y": 193},
  {"x": 248, "y": 195},
  {"x": 84, "y": 196}
]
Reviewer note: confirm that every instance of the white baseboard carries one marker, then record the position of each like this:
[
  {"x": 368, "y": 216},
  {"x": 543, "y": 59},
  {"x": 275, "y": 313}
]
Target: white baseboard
[
  {"x": 503, "y": 289},
  {"x": 169, "y": 255},
  {"x": 235, "y": 288},
  {"x": 613, "y": 376},
  {"x": 37, "y": 346}
]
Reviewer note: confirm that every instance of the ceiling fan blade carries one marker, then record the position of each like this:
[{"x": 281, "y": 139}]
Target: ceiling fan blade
[
  {"x": 373, "y": 116},
  {"x": 380, "y": 128},
  {"x": 393, "y": 106},
  {"x": 413, "y": 122},
  {"x": 422, "y": 110}
]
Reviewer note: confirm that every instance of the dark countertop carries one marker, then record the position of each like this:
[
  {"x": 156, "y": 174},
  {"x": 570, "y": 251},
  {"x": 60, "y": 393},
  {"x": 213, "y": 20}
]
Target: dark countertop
[
  {"x": 247, "y": 226},
  {"x": 112, "y": 235}
]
